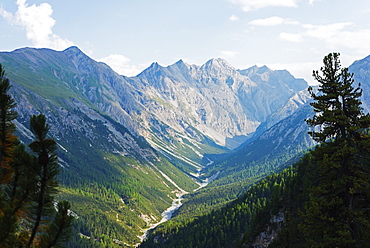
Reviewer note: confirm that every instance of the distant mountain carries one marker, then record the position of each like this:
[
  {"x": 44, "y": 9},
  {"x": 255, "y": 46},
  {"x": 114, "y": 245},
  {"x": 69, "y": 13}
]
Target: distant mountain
[
  {"x": 116, "y": 181},
  {"x": 271, "y": 151},
  {"x": 273, "y": 148},
  {"x": 130, "y": 145},
  {"x": 284, "y": 133},
  {"x": 277, "y": 142},
  {"x": 269, "y": 209},
  {"x": 215, "y": 99},
  {"x": 361, "y": 70}
]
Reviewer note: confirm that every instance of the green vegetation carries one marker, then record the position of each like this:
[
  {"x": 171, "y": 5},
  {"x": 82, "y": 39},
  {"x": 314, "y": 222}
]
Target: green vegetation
[
  {"x": 332, "y": 216},
  {"x": 322, "y": 200},
  {"x": 245, "y": 167},
  {"x": 28, "y": 183},
  {"x": 117, "y": 184},
  {"x": 256, "y": 159},
  {"x": 326, "y": 203},
  {"x": 225, "y": 226},
  {"x": 110, "y": 195},
  {"x": 210, "y": 198},
  {"x": 47, "y": 83}
]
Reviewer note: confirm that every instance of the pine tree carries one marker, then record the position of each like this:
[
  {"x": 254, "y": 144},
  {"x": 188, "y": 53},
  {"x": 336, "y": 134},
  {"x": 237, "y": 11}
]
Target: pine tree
[
  {"x": 332, "y": 218},
  {"x": 8, "y": 216},
  {"x": 337, "y": 105},
  {"x": 47, "y": 169},
  {"x": 7, "y": 128}
]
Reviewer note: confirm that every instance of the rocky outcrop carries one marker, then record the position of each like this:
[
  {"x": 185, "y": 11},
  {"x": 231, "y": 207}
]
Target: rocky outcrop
[
  {"x": 270, "y": 233},
  {"x": 215, "y": 98}
]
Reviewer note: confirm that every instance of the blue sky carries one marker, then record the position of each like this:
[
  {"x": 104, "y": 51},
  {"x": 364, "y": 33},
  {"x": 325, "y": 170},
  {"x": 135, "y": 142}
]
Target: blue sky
[{"x": 131, "y": 34}]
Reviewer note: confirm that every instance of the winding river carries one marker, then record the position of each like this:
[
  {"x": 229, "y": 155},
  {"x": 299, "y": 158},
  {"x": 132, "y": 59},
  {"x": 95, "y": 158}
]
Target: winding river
[
  {"x": 166, "y": 215},
  {"x": 176, "y": 204}
]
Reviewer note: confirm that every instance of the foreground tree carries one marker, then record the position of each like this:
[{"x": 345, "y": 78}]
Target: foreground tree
[
  {"x": 28, "y": 214},
  {"x": 7, "y": 128},
  {"x": 337, "y": 214}
]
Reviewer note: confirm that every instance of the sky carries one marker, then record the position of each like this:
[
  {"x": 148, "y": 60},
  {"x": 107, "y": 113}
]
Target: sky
[{"x": 129, "y": 35}]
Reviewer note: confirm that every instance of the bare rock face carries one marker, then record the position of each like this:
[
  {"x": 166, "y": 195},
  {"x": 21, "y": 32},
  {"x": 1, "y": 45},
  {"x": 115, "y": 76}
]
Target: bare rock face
[
  {"x": 361, "y": 70},
  {"x": 184, "y": 111},
  {"x": 270, "y": 233},
  {"x": 215, "y": 98}
]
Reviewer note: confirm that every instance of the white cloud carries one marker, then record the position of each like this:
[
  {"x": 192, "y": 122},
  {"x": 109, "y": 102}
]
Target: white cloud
[
  {"x": 5, "y": 14},
  {"x": 38, "y": 23},
  {"x": 354, "y": 39},
  {"x": 325, "y": 32},
  {"x": 335, "y": 36},
  {"x": 312, "y": 1},
  {"x": 227, "y": 54},
  {"x": 250, "y": 5},
  {"x": 365, "y": 10},
  {"x": 272, "y": 21},
  {"x": 291, "y": 37},
  {"x": 234, "y": 18},
  {"x": 121, "y": 65}
]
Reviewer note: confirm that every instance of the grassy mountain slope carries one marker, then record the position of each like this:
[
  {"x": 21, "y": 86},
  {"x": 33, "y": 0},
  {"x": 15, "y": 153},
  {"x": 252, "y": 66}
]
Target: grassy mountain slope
[{"x": 116, "y": 182}]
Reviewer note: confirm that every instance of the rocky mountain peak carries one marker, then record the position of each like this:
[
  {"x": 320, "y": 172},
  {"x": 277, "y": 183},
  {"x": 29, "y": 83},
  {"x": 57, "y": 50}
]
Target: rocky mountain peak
[
  {"x": 362, "y": 65},
  {"x": 75, "y": 53},
  {"x": 218, "y": 68},
  {"x": 73, "y": 49},
  {"x": 256, "y": 70},
  {"x": 213, "y": 100},
  {"x": 82, "y": 63},
  {"x": 217, "y": 64},
  {"x": 152, "y": 71},
  {"x": 274, "y": 78},
  {"x": 182, "y": 65},
  {"x": 264, "y": 70},
  {"x": 180, "y": 62},
  {"x": 152, "y": 68}
]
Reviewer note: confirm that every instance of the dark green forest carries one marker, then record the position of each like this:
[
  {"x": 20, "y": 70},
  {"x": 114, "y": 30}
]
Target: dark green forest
[
  {"x": 321, "y": 201},
  {"x": 223, "y": 227}
]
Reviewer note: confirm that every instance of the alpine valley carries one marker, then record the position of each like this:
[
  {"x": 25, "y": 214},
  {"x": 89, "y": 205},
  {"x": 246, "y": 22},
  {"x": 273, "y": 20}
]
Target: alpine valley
[{"x": 192, "y": 137}]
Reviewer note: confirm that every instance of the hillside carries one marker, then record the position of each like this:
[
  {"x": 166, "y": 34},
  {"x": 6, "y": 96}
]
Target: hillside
[
  {"x": 277, "y": 143},
  {"x": 111, "y": 175},
  {"x": 129, "y": 146},
  {"x": 275, "y": 211}
]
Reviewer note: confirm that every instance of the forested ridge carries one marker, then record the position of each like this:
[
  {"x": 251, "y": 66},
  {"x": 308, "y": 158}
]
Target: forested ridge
[
  {"x": 320, "y": 201},
  {"x": 223, "y": 227},
  {"x": 241, "y": 222}
]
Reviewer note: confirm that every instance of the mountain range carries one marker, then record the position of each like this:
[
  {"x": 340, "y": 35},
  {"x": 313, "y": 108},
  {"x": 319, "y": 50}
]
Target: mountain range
[{"x": 129, "y": 146}]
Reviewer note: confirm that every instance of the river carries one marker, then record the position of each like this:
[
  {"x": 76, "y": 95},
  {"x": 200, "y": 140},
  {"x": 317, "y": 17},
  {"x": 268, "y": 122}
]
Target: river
[
  {"x": 176, "y": 204},
  {"x": 166, "y": 215}
]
